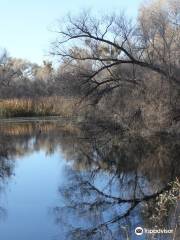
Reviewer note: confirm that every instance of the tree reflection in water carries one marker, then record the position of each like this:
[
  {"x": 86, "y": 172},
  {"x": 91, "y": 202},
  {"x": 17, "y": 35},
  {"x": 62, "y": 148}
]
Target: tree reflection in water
[
  {"x": 114, "y": 181},
  {"x": 6, "y": 169},
  {"x": 119, "y": 182}
]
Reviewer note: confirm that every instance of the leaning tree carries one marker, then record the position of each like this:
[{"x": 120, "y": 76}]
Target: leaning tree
[{"x": 111, "y": 42}]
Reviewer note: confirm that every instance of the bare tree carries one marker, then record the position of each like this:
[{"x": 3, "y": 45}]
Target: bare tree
[{"x": 110, "y": 42}]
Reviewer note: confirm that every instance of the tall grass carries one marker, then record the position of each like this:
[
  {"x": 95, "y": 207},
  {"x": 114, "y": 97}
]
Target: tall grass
[{"x": 46, "y": 106}]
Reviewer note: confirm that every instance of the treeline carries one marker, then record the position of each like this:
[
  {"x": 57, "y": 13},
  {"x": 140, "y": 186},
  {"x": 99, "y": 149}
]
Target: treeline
[{"x": 23, "y": 79}]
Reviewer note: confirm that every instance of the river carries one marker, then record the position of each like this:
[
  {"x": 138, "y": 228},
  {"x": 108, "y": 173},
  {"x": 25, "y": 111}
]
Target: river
[{"x": 59, "y": 180}]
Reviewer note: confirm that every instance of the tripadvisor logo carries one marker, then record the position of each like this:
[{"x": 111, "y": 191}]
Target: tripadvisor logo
[{"x": 139, "y": 231}]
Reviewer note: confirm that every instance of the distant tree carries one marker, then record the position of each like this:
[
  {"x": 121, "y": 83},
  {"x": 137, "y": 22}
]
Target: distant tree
[
  {"x": 20, "y": 78},
  {"x": 8, "y": 71}
]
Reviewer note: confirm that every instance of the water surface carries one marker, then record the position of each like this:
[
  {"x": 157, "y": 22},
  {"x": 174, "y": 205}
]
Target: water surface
[{"x": 64, "y": 181}]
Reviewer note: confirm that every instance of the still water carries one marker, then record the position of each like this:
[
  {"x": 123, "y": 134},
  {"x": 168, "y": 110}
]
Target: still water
[{"x": 63, "y": 181}]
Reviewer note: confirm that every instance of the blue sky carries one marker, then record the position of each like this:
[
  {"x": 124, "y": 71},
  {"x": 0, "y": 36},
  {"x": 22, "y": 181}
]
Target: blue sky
[{"x": 24, "y": 25}]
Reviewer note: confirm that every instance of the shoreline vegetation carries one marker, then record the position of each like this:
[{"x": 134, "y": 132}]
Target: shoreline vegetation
[
  {"x": 39, "y": 107},
  {"x": 69, "y": 113}
]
